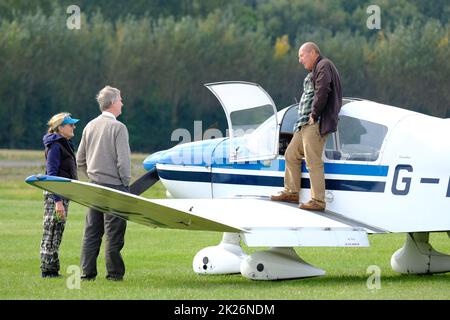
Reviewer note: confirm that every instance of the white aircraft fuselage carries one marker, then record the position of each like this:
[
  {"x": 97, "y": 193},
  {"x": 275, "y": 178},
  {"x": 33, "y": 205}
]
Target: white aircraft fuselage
[{"x": 394, "y": 176}]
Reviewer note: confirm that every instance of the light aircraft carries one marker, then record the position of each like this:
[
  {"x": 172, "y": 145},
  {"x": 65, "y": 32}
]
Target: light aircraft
[{"x": 387, "y": 170}]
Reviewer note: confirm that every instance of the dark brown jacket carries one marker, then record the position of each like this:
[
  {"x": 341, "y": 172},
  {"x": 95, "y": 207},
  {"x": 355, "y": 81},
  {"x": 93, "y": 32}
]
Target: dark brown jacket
[{"x": 327, "y": 95}]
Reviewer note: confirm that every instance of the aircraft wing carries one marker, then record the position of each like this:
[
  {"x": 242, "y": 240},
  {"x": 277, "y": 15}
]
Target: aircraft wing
[
  {"x": 125, "y": 205},
  {"x": 260, "y": 222}
]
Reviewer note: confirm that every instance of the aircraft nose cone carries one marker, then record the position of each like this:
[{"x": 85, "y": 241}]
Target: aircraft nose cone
[{"x": 151, "y": 161}]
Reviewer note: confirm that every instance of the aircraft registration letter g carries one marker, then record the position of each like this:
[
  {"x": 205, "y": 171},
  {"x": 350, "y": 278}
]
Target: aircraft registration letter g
[{"x": 405, "y": 180}]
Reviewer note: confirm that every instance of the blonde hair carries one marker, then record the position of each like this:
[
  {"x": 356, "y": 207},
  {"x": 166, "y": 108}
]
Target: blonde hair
[
  {"x": 106, "y": 97},
  {"x": 56, "y": 121}
]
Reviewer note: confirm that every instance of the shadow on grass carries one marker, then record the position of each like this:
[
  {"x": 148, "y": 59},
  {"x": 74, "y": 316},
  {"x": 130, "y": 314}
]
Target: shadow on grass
[{"x": 216, "y": 281}]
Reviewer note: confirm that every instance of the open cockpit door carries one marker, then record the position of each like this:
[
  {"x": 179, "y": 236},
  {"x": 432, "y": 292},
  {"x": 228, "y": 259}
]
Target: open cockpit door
[{"x": 252, "y": 120}]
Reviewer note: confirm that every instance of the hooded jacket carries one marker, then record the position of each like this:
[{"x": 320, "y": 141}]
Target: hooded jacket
[{"x": 59, "y": 158}]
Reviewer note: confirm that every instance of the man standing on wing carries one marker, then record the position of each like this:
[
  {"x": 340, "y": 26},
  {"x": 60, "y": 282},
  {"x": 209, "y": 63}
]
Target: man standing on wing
[{"x": 318, "y": 116}]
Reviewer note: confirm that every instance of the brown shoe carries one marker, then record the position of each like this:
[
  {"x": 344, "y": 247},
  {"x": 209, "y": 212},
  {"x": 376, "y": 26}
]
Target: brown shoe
[
  {"x": 312, "y": 205},
  {"x": 285, "y": 197}
]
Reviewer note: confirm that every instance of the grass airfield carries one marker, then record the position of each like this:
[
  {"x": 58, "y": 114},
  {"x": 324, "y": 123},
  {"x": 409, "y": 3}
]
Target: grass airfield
[{"x": 159, "y": 261}]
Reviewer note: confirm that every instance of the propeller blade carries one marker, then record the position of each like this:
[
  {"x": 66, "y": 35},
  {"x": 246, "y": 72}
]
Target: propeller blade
[{"x": 145, "y": 182}]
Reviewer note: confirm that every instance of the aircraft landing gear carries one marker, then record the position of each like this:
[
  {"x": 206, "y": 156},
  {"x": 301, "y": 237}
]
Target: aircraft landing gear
[
  {"x": 224, "y": 258},
  {"x": 277, "y": 263},
  {"x": 273, "y": 264},
  {"x": 417, "y": 256}
]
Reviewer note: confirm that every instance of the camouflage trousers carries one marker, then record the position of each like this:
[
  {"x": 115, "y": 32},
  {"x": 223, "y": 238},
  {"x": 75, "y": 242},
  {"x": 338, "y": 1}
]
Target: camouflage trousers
[{"x": 52, "y": 234}]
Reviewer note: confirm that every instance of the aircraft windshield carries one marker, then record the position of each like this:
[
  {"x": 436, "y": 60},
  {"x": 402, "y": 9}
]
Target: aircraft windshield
[
  {"x": 252, "y": 121},
  {"x": 256, "y": 144}
]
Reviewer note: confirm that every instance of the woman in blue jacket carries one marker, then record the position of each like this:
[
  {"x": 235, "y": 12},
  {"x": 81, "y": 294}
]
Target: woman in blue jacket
[{"x": 59, "y": 161}]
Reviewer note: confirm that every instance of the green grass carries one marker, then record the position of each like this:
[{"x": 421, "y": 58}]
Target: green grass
[{"x": 159, "y": 261}]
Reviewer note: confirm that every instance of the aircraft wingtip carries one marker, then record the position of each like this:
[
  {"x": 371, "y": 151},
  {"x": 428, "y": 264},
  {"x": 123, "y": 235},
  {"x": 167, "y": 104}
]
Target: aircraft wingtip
[
  {"x": 31, "y": 179},
  {"x": 42, "y": 177}
]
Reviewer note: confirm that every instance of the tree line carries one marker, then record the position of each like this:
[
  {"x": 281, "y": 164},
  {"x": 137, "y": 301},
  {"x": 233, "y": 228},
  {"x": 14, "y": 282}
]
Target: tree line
[{"x": 160, "y": 53}]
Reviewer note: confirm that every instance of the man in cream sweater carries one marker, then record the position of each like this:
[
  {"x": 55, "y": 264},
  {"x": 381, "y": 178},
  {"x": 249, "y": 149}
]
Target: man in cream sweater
[{"x": 104, "y": 155}]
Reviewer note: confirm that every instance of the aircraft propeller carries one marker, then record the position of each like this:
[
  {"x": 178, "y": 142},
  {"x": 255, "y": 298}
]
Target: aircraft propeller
[{"x": 145, "y": 182}]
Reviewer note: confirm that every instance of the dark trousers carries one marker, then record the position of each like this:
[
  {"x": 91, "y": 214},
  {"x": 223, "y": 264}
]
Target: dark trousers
[{"x": 97, "y": 224}]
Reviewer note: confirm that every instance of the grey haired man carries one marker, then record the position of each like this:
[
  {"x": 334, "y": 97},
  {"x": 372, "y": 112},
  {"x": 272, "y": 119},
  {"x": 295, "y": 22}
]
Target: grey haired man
[{"x": 104, "y": 155}]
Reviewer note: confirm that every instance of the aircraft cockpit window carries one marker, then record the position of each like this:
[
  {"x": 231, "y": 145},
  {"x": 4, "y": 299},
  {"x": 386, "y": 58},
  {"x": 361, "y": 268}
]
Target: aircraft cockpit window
[
  {"x": 355, "y": 140},
  {"x": 254, "y": 131},
  {"x": 248, "y": 120},
  {"x": 289, "y": 119},
  {"x": 252, "y": 120},
  {"x": 287, "y": 128}
]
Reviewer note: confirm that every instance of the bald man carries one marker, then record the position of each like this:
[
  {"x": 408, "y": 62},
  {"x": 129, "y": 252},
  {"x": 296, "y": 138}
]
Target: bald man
[{"x": 318, "y": 112}]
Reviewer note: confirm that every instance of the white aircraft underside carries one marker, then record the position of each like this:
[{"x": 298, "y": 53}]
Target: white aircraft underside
[{"x": 384, "y": 173}]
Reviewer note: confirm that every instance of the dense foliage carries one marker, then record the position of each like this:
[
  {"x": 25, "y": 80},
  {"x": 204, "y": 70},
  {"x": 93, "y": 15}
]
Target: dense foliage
[{"x": 160, "y": 53}]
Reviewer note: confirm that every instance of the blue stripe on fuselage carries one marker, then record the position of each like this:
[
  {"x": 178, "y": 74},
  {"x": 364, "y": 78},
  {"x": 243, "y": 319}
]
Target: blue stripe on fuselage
[
  {"x": 353, "y": 169},
  {"x": 329, "y": 168},
  {"x": 257, "y": 180},
  {"x": 279, "y": 165}
]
